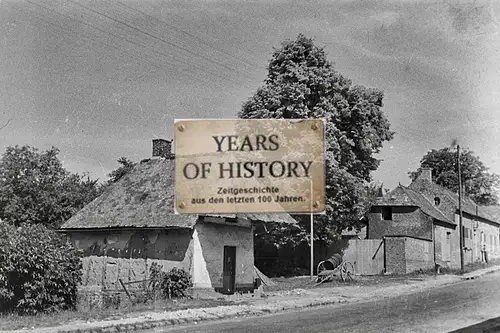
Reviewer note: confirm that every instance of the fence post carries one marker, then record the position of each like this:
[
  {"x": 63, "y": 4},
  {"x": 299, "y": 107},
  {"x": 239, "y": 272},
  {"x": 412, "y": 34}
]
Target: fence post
[{"x": 126, "y": 291}]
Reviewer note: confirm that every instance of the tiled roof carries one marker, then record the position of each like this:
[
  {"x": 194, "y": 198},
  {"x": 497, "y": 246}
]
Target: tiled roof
[
  {"x": 492, "y": 211},
  {"x": 144, "y": 197},
  {"x": 421, "y": 193},
  {"x": 404, "y": 196},
  {"x": 426, "y": 188}
]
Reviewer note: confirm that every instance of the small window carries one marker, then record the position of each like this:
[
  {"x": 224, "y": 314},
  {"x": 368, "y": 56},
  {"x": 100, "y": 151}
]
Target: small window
[
  {"x": 387, "y": 213},
  {"x": 437, "y": 201},
  {"x": 448, "y": 235}
]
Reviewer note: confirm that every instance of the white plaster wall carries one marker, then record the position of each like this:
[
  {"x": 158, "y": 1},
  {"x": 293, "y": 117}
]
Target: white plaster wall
[
  {"x": 213, "y": 237},
  {"x": 199, "y": 271},
  {"x": 440, "y": 235}
]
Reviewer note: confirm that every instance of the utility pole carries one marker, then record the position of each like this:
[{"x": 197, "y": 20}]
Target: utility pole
[{"x": 460, "y": 211}]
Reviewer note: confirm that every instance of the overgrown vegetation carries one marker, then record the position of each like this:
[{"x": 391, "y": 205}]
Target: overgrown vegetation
[
  {"x": 172, "y": 284},
  {"x": 39, "y": 270}
]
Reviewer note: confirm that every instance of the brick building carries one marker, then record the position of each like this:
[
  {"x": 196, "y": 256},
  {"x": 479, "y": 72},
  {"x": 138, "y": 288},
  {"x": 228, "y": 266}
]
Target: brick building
[{"x": 419, "y": 226}]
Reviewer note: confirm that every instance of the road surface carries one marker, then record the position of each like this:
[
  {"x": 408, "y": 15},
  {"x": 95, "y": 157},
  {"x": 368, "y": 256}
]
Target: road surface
[{"x": 442, "y": 309}]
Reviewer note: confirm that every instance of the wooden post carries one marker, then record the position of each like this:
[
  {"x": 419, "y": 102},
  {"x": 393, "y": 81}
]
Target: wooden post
[
  {"x": 126, "y": 291},
  {"x": 312, "y": 233}
]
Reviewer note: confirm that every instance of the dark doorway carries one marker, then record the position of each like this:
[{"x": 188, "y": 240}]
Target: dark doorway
[{"x": 229, "y": 270}]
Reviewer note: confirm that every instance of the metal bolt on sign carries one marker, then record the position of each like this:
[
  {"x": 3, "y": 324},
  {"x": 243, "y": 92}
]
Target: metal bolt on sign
[
  {"x": 181, "y": 128},
  {"x": 182, "y": 205}
]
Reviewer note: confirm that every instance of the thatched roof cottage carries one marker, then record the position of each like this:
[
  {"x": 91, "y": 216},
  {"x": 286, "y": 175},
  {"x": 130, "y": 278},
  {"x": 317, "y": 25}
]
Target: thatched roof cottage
[{"x": 132, "y": 224}]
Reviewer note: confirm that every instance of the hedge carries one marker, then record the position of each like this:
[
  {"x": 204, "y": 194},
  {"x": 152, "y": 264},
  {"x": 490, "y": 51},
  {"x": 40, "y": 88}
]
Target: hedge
[{"x": 39, "y": 270}]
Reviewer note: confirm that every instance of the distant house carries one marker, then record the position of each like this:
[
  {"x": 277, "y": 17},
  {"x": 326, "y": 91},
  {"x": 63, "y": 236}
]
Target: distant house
[
  {"x": 419, "y": 226},
  {"x": 132, "y": 225}
]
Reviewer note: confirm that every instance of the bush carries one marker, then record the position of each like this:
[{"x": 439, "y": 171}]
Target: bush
[
  {"x": 111, "y": 301},
  {"x": 39, "y": 270},
  {"x": 172, "y": 284}
]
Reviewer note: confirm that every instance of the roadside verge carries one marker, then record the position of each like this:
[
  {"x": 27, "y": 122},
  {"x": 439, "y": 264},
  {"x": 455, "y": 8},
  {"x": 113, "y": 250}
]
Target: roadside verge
[{"x": 273, "y": 303}]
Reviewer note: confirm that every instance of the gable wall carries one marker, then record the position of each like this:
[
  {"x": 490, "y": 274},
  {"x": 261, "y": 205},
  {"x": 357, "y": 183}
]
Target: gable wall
[
  {"x": 447, "y": 205},
  {"x": 406, "y": 221}
]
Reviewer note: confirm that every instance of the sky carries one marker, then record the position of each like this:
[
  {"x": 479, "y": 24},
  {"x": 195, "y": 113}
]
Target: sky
[{"x": 101, "y": 79}]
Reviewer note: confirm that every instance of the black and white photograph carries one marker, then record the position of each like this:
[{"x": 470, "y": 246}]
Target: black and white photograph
[{"x": 249, "y": 166}]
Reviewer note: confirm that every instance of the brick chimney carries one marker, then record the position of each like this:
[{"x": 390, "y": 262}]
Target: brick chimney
[
  {"x": 426, "y": 174},
  {"x": 162, "y": 148}
]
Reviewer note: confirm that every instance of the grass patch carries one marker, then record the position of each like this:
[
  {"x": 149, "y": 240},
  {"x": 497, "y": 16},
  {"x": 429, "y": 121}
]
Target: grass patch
[
  {"x": 303, "y": 282},
  {"x": 14, "y": 321},
  {"x": 471, "y": 267}
]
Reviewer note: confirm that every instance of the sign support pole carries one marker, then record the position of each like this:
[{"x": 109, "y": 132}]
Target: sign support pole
[
  {"x": 460, "y": 225},
  {"x": 312, "y": 233}
]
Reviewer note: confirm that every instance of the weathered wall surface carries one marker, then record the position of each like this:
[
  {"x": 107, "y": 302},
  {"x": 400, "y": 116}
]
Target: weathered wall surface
[
  {"x": 406, "y": 221},
  {"x": 419, "y": 254},
  {"x": 479, "y": 236},
  {"x": 111, "y": 255},
  {"x": 447, "y": 246},
  {"x": 395, "y": 262},
  {"x": 405, "y": 255},
  {"x": 213, "y": 237},
  {"x": 128, "y": 255}
]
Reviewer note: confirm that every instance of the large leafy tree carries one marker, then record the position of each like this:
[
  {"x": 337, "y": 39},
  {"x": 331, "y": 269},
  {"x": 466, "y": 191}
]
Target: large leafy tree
[
  {"x": 36, "y": 189},
  {"x": 477, "y": 182},
  {"x": 302, "y": 83}
]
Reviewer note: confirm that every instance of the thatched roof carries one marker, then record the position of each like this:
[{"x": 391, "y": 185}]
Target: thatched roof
[
  {"x": 260, "y": 217},
  {"x": 144, "y": 198}
]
